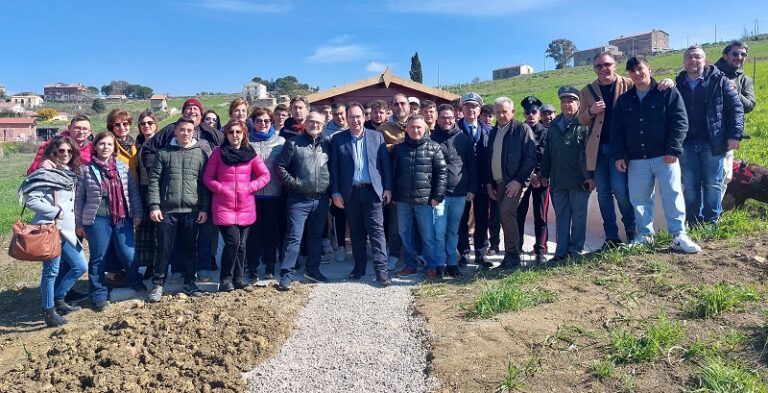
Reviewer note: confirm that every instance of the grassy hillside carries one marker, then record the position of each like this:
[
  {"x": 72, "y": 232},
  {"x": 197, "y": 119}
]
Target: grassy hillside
[{"x": 544, "y": 85}]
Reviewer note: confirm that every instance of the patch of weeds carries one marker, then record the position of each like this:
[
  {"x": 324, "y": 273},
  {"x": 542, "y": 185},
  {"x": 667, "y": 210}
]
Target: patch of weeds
[
  {"x": 431, "y": 290},
  {"x": 602, "y": 281},
  {"x": 603, "y": 370},
  {"x": 732, "y": 341},
  {"x": 627, "y": 382},
  {"x": 715, "y": 300},
  {"x": 717, "y": 376},
  {"x": 659, "y": 336},
  {"x": 501, "y": 298},
  {"x": 513, "y": 379},
  {"x": 699, "y": 349},
  {"x": 732, "y": 224},
  {"x": 656, "y": 266}
]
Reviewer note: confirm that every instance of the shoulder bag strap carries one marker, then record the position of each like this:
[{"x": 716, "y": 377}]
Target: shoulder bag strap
[{"x": 592, "y": 91}]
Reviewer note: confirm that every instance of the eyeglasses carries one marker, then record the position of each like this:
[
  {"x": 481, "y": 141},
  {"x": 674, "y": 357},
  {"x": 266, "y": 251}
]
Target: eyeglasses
[
  {"x": 64, "y": 151},
  {"x": 78, "y": 128},
  {"x": 531, "y": 112},
  {"x": 235, "y": 132},
  {"x": 146, "y": 123},
  {"x": 262, "y": 121},
  {"x": 210, "y": 119},
  {"x": 739, "y": 54},
  {"x": 602, "y": 65},
  {"x": 124, "y": 124},
  {"x": 446, "y": 118},
  {"x": 315, "y": 122}
]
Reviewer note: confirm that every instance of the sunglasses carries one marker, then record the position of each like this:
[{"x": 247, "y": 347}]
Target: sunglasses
[
  {"x": 262, "y": 121},
  {"x": 531, "y": 112},
  {"x": 211, "y": 119},
  {"x": 235, "y": 132},
  {"x": 124, "y": 124},
  {"x": 602, "y": 65},
  {"x": 146, "y": 123},
  {"x": 64, "y": 151},
  {"x": 739, "y": 54},
  {"x": 447, "y": 117}
]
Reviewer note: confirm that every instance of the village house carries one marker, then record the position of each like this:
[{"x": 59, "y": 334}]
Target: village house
[
  {"x": 17, "y": 129},
  {"x": 27, "y": 101},
  {"x": 63, "y": 92},
  {"x": 158, "y": 103},
  {"x": 512, "y": 71}
]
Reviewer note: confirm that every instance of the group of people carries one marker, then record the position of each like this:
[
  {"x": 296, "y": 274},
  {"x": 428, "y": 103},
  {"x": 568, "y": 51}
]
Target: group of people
[{"x": 408, "y": 177}]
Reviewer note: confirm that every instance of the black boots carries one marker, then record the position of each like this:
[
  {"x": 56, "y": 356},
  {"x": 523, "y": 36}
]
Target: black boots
[
  {"x": 52, "y": 318},
  {"x": 63, "y": 308}
]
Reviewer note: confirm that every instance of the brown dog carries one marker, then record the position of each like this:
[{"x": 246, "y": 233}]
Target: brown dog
[{"x": 750, "y": 181}]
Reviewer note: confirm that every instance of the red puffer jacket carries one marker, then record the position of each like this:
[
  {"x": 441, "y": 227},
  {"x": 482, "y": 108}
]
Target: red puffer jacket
[{"x": 233, "y": 187}]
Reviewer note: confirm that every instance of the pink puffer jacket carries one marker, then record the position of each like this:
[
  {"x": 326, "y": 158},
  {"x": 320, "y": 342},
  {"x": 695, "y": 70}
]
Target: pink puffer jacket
[{"x": 233, "y": 188}]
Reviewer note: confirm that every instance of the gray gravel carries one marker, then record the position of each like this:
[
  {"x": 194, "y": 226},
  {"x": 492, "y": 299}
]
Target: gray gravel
[{"x": 350, "y": 337}]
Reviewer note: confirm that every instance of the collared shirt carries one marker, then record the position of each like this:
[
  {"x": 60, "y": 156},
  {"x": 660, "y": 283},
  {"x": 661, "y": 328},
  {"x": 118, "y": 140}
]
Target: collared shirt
[
  {"x": 361, "y": 174},
  {"x": 498, "y": 144},
  {"x": 473, "y": 130}
]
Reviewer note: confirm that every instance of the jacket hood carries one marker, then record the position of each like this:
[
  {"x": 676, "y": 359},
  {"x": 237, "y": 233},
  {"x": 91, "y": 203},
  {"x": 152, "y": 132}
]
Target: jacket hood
[
  {"x": 726, "y": 68},
  {"x": 709, "y": 71},
  {"x": 194, "y": 144}
]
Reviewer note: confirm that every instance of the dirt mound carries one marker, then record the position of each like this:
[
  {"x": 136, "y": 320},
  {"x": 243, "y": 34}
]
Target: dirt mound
[{"x": 179, "y": 345}]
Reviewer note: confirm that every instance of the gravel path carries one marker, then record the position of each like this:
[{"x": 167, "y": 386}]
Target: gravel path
[{"x": 350, "y": 337}]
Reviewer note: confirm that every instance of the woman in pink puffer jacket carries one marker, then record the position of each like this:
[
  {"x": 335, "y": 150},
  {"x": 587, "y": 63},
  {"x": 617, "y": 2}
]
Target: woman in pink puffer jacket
[{"x": 233, "y": 174}]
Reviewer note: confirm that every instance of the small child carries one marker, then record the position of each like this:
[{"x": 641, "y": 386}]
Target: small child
[{"x": 178, "y": 202}]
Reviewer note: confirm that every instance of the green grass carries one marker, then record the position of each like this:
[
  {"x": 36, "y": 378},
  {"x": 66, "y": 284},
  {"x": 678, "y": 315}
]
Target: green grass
[
  {"x": 658, "y": 337},
  {"x": 603, "y": 370},
  {"x": 714, "y": 300},
  {"x": 504, "y": 298},
  {"x": 13, "y": 168},
  {"x": 718, "y": 376},
  {"x": 511, "y": 381}
]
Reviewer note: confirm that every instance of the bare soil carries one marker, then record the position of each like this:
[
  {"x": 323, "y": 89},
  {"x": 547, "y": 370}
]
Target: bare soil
[
  {"x": 178, "y": 345},
  {"x": 556, "y": 344}
]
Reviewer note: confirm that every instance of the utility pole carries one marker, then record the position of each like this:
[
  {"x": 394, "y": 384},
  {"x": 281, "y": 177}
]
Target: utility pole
[
  {"x": 439, "y": 86},
  {"x": 715, "y": 32}
]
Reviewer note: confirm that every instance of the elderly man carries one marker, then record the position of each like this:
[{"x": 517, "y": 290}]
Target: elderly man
[
  {"x": 539, "y": 192},
  {"x": 511, "y": 158},
  {"x": 478, "y": 132},
  {"x": 647, "y": 132},
  {"x": 461, "y": 187},
  {"x": 731, "y": 64},
  {"x": 715, "y": 126},
  {"x": 302, "y": 168},
  {"x": 564, "y": 170},
  {"x": 419, "y": 187},
  {"x": 361, "y": 184},
  {"x": 297, "y": 123}
]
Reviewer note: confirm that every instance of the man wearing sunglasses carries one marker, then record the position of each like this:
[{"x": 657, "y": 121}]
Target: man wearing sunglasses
[
  {"x": 597, "y": 101},
  {"x": 732, "y": 65}
]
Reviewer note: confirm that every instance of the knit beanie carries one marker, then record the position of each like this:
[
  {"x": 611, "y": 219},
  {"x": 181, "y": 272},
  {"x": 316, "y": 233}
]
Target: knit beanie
[{"x": 192, "y": 101}]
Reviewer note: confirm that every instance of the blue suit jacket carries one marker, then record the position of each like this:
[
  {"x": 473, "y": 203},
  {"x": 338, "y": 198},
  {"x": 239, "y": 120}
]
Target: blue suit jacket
[{"x": 343, "y": 163}]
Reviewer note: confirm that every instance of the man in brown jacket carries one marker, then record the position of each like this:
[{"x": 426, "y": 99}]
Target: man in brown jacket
[{"x": 597, "y": 100}]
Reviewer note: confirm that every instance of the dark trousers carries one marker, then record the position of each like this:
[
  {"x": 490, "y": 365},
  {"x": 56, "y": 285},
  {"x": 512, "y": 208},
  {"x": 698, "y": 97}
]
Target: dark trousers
[
  {"x": 366, "y": 215},
  {"x": 508, "y": 214},
  {"x": 313, "y": 214},
  {"x": 339, "y": 225},
  {"x": 391, "y": 233},
  {"x": 494, "y": 224},
  {"x": 233, "y": 256},
  {"x": 264, "y": 236},
  {"x": 540, "y": 196},
  {"x": 480, "y": 209},
  {"x": 176, "y": 228}
]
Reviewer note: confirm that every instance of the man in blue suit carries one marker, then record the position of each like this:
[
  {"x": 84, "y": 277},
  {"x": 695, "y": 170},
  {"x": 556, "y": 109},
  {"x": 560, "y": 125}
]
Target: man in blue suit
[{"x": 361, "y": 183}]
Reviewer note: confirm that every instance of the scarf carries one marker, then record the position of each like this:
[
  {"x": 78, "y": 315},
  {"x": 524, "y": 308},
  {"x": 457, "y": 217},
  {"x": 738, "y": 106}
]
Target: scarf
[
  {"x": 294, "y": 126},
  {"x": 126, "y": 143},
  {"x": 111, "y": 184},
  {"x": 231, "y": 156},
  {"x": 57, "y": 179},
  {"x": 255, "y": 136}
]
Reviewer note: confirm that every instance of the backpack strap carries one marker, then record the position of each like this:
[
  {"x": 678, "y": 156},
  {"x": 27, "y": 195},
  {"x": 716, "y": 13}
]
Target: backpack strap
[{"x": 592, "y": 91}]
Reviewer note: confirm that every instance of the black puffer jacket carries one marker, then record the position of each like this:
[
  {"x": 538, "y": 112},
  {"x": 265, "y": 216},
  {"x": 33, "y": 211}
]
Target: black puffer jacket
[
  {"x": 302, "y": 167},
  {"x": 459, "y": 154},
  {"x": 419, "y": 171}
]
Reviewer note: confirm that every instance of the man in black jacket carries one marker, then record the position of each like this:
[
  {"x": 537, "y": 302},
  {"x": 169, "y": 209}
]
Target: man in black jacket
[
  {"x": 510, "y": 160},
  {"x": 461, "y": 188},
  {"x": 648, "y": 127},
  {"x": 419, "y": 186},
  {"x": 297, "y": 123},
  {"x": 302, "y": 168}
]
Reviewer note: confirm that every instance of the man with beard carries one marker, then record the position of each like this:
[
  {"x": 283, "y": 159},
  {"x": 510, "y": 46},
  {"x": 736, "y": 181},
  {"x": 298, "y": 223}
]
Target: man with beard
[{"x": 296, "y": 124}]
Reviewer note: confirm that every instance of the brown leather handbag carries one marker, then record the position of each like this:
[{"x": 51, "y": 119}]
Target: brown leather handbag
[{"x": 35, "y": 242}]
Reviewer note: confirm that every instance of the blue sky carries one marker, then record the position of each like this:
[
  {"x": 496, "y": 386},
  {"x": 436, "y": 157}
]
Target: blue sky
[{"x": 182, "y": 47}]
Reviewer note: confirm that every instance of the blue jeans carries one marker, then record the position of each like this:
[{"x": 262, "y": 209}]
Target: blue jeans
[
  {"x": 613, "y": 184},
  {"x": 50, "y": 287},
  {"x": 312, "y": 213},
  {"x": 702, "y": 174},
  {"x": 425, "y": 223},
  {"x": 447, "y": 218},
  {"x": 101, "y": 235},
  {"x": 643, "y": 175},
  {"x": 571, "y": 220}
]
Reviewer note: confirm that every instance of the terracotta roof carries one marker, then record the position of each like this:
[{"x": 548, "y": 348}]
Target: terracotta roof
[
  {"x": 16, "y": 120},
  {"x": 387, "y": 78}
]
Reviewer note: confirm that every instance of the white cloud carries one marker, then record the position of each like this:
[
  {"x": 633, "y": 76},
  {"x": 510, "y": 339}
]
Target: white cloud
[
  {"x": 376, "y": 67},
  {"x": 245, "y": 6},
  {"x": 339, "y": 49},
  {"x": 462, "y": 7}
]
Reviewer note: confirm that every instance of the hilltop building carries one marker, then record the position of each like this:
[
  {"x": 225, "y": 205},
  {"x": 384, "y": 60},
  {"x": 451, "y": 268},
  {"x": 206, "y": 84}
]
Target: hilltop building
[
  {"x": 253, "y": 91},
  {"x": 512, "y": 71},
  {"x": 63, "y": 92},
  {"x": 158, "y": 103},
  {"x": 654, "y": 41},
  {"x": 383, "y": 87},
  {"x": 584, "y": 57},
  {"x": 27, "y": 101}
]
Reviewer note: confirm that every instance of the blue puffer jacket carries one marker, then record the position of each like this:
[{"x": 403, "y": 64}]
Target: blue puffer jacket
[{"x": 725, "y": 112}]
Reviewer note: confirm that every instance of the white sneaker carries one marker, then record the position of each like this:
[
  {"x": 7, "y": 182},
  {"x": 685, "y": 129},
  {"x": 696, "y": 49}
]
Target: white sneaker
[
  {"x": 327, "y": 247},
  {"x": 640, "y": 241},
  {"x": 684, "y": 243},
  {"x": 392, "y": 263},
  {"x": 341, "y": 254}
]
